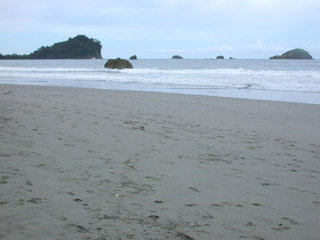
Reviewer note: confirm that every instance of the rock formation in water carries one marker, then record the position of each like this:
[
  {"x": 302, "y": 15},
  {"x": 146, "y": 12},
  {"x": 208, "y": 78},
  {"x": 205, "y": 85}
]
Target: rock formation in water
[
  {"x": 176, "y": 57},
  {"x": 220, "y": 57},
  {"x": 294, "y": 54},
  {"x": 118, "y": 64},
  {"x": 134, "y": 57}
]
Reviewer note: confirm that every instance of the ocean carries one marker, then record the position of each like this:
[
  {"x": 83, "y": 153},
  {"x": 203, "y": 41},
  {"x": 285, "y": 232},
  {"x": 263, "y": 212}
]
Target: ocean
[{"x": 279, "y": 80}]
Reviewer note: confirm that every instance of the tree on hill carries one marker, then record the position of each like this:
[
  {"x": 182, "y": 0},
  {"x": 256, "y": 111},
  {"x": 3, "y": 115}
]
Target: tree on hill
[{"x": 79, "y": 47}]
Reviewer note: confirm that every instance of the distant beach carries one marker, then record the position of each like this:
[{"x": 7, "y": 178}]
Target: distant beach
[{"x": 81, "y": 163}]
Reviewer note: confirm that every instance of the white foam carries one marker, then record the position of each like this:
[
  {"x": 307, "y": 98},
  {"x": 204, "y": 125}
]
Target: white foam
[{"x": 242, "y": 78}]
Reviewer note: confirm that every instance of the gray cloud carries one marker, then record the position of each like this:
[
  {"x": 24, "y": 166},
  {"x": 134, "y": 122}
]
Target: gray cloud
[{"x": 201, "y": 23}]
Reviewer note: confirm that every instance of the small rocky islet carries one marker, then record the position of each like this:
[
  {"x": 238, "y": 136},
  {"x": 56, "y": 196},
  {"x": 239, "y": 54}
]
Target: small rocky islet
[
  {"x": 176, "y": 57},
  {"x": 118, "y": 63},
  {"x": 82, "y": 47},
  {"x": 133, "y": 57},
  {"x": 294, "y": 54}
]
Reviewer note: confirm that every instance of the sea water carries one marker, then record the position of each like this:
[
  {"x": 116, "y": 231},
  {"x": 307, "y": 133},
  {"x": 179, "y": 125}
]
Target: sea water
[{"x": 281, "y": 80}]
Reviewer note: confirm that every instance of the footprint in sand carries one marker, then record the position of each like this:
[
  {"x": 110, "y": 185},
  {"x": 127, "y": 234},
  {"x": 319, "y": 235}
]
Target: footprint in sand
[
  {"x": 35, "y": 200},
  {"x": 78, "y": 228},
  {"x": 153, "y": 217},
  {"x": 290, "y": 220},
  {"x": 184, "y": 236},
  {"x": 250, "y": 224},
  {"x": 283, "y": 227},
  {"x": 256, "y": 204},
  {"x": 4, "y": 179},
  {"x": 194, "y": 189},
  {"x": 251, "y": 237},
  {"x": 190, "y": 205},
  {"x": 28, "y": 183},
  {"x": 59, "y": 217},
  {"x": 226, "y": 204}
]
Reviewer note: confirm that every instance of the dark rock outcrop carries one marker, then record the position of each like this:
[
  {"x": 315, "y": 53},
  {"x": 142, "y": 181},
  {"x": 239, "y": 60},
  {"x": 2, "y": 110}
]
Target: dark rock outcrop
[
  {"x": 118, "y": 64},
  {"x": 134, "y": 57},
  {"x": 220, "y": 57},
  {"x": 294, "y": 54},
  {"x": 176, "y": 57}
]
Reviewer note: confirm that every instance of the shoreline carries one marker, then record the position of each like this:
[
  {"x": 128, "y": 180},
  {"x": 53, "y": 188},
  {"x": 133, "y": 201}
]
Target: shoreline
[
  {"x": 247, "y": 94},
  {"x": 289, "y": 81},
  {"x": 81, "y": 163}
]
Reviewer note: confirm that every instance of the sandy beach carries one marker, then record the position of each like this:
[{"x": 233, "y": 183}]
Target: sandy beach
[{"x": 99, "y": 164}]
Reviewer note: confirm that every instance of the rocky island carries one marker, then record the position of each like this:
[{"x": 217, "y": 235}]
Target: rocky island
[
  {"x": 294, "y": 54},
  {"x": 118, "y": 64},
  {"x": 176, "y": 57},
  {"x": 79, "y": 47}
]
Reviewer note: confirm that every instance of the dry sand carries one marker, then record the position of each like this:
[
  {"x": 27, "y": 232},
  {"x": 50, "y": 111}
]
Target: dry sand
[{"x": 97, "y": 164}]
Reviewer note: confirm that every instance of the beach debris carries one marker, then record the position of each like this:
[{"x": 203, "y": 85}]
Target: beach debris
[{"x": 117, "y": 195}]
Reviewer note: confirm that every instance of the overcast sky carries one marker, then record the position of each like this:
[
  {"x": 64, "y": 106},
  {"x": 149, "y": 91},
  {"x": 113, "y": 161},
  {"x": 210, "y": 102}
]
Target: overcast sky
[{"x": 162, "y": 28}]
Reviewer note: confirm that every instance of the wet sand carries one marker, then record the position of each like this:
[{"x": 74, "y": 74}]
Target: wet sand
[{"x": 98, "y": 164}]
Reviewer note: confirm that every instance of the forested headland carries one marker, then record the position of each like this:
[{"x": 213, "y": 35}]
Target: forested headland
[{"x": 79, "y": 47}]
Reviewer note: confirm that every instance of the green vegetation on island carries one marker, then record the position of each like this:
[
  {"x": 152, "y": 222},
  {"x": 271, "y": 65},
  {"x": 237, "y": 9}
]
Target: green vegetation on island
[
  {"x": 79, "y": 47},
  {"x": 294, "y": 54},
  {"x": 134, "y": 57}
]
